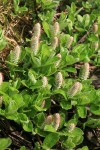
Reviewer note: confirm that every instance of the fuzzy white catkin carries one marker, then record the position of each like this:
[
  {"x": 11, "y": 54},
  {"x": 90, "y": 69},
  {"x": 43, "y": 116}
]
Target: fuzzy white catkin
[
  {"x": 37, "y": 30},
  {"x": 59, "y": 80},
  {"x": 15, "y": 54},
  {"x": 57, "y": 121},
  {"x": 34, "y": 45},
  {"x": 70, "y": 41},
  {"x": 55, "y": 29},
  {"x": 54, "y": 43},
  {"x": 1, "y": 78},
  {"x": 49, "y": 119},
  {"x": 95, "y": 28},
  {"x": 45, "y": 82},
  {"x": 58, "y": 62},
  {"x": 85, "y": 71},
  {"x": 71, "y": 127},
  {"x": 43, "y": 104},
  {"x": 96, "y": 45},
  {"x": 75, "y": 89}
]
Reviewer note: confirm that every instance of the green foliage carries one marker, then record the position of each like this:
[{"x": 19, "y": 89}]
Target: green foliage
[
  {"x": 19, "y": 9},
  {"x": 50, "y": 140},
  {"x": 34, "y": 91},
  {"x": 3, "y": 41},
  {"x": 4, "y": 143}
]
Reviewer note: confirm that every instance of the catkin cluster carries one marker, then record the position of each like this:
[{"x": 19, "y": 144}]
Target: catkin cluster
[
  {"x": 77, "y": 87},
  {"x": 15, "y": 55},
  {"x": 55, "y": 120},
  {"x": 45, "y": 82},
  {"x": 84, "y": 74},
  {"x": 69, "y": 41},
  {"x": 71, "y": 127},
  {"x": 43, "y": 104},
  {"x": 95, "y": 30},
  {"x": 58, "y": 62},
  {"x": 59, "y": 80},
  {"x": 55, "y": 31},
  {"x": 35, "y": 38},
  {"x": 1, "y": 78}
]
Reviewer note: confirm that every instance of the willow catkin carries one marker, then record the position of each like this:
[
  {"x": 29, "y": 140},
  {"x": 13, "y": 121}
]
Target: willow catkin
[
  {"x": 15, "y": 55},
  {"x": 57, "y": 121},
  {"x": 34, "y": 45},
  {"x": 55, "y": 29},
  {"x": 48, "y": 120},
  {"x": 69, "y": 41},
  {"x": 37, "y": 30},
  {"x": 54, "y": 43},
  {"x": 75, "y": 89},
  {"x": 1, "y": 78},
  {"x": 96, "y": 45},
  {"x": 43, "y": 104},
  {"x": 59, "y": 80},
  {"x": 58, "y": 62},
  {"x": 71, "y": 127},
  {"x": 95, "y": 28},
  {"x": 45, "y": 82},
  {"x": 85, "y": 71}
]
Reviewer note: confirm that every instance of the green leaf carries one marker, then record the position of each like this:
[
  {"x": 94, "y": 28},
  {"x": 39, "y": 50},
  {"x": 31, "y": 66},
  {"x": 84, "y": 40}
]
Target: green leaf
[
  {"x": 12, "y": 108},
  {"x": 93, "y": 123},
  {"x": 95, "y": 109},
  {"x": 4, "y": 87},
  {"x": 83, "y": 148},
  {"x": 45, "y": 51},
  {"x": 39, "y": 119},
  {"x": 46, "y": 28},
  {"x": 78, "y": 140},
  {"x": 68, "y": 143},
  {"x": 62, "y": 20},
  {"x": 18, "y": 99},
  {"x": 22, "y": 148},
  {"x": 4, "y": 143},
  {"x": 73, "y": 8},
  {"x": 70, "y": 60},
  {"x": 86, "y": 20},
  {"x": 62, "y": 92},
  {"x": 71, "y": 69},
  {"x": 82, "y": 112},
  {"x": 50, "y": 140},
  {"x": 65, "y": 105},
  {"x": 17, "y": 83},
  {"x": 28, "y": 126},
  {"x": 36, "y": 61},
  {"x": 23, "y": 118},
  {"x": 87, "y": 97},
  {"x": 80, "y": 18},
  {"x": 76, "y": 132},
  {"x": 76, "y": 136},
  {"x": 19, "y": 9},
  {"x": 49, "y": 128},
  {"x": 3, "y": 42}
]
